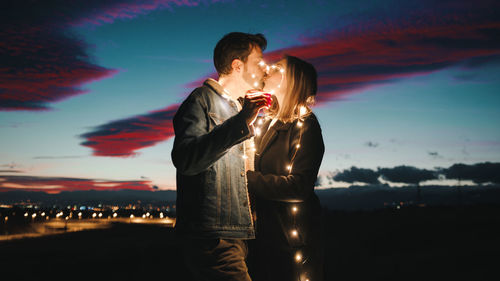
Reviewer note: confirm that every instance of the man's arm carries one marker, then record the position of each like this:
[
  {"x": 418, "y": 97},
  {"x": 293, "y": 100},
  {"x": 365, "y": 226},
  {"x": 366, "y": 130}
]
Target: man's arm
[{"x": 195, "y": 148}]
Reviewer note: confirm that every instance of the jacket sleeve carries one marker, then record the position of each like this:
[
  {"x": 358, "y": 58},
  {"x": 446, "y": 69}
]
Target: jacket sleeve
[
  {"x": 299, "y": 184},
  {"x": 195, "y": 148}
]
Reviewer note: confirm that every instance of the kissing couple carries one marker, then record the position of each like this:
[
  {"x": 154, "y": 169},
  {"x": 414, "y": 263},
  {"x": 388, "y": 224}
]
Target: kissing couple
[{"x": 247, "y": 151}]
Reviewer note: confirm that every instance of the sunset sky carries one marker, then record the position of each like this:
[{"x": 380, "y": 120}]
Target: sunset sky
[{"x": 88, "y": 89}]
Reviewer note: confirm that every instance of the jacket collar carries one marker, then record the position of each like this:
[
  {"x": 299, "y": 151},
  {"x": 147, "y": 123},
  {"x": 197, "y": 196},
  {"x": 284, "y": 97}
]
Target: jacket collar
[{"x": 272, "y": 133}]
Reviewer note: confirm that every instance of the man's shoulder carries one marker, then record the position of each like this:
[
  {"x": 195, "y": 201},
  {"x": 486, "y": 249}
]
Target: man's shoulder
[{"x": 201, "y": 92}]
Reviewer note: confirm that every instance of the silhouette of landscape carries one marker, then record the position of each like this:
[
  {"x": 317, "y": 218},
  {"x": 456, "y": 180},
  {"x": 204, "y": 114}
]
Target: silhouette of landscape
[{"x": 373, "y": 233}]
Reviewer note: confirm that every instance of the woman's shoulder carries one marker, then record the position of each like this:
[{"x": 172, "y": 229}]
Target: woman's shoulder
[{"x": 311, "y": 121}]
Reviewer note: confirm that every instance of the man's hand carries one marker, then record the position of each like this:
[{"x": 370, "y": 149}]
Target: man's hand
[{"x": 253, "y": 103}]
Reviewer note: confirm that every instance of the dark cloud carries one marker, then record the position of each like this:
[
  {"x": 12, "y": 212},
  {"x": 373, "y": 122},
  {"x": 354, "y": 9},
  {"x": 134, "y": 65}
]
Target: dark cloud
[
  {"x": 479, "y": 173},
  {"x": 122, "y": 138},
  {"x": 371, "y": 144},
  {"x": 434, "y": 154},
  {"x": 407, "y": 174},
  {"x": 357, "y": 175}
]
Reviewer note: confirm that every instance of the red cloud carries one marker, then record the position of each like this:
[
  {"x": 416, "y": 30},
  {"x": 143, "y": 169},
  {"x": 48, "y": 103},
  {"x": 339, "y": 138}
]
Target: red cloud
[
  {"x": 42, "y": 62},
  {"x": 349, "y": 62},
  {"x": 353, "y": 59},
  {"x": 56, "y": 184},
  {"x": 123, "y": 137}
]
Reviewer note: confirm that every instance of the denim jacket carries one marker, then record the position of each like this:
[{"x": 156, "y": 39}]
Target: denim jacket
[{"x": 212, "y": 194}]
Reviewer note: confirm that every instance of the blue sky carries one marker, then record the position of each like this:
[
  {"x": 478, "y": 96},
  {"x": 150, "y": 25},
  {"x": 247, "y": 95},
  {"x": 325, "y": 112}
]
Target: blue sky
[{"x": 425, "y": 103}]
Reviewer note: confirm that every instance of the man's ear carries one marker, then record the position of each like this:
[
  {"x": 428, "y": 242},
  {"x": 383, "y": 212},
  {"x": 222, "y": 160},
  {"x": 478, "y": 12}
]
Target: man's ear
[{"x": 237, "y": 65}]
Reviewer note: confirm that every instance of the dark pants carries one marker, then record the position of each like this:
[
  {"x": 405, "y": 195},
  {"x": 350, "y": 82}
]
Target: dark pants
[{"x": 216, "y": 259}]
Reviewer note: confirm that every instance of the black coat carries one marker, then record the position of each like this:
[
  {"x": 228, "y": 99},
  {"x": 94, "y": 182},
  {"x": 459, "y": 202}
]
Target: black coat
[{"x": 276, "y": 190}]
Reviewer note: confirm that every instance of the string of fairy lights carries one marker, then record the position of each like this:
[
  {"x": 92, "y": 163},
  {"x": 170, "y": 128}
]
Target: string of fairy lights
[{"x": 299, "y": 257}]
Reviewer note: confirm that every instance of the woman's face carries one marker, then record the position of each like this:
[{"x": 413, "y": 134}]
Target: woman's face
[{"x": 275, "y": 79}]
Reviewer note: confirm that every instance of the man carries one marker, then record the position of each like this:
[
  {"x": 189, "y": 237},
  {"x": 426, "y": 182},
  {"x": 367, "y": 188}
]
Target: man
[{"x": 212, "y": 132}]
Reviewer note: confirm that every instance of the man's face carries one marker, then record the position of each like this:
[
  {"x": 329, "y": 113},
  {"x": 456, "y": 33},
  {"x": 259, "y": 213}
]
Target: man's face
[{"x": 253, "y": 72}]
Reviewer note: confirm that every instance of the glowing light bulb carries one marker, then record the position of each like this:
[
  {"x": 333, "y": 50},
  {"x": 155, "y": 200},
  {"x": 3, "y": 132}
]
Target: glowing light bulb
[
  {"x": 33, "y": 216},
  {"x": 94, "y": 215},
  {"x": 43, "y": 214},
  {"x": 256, "y": 84},
  {"x": 298, "y": 257},
  {"x": 295, "y": 209},
  {"x": 80, "y": 214},
  {"x": 25, "y": 214},
  {"x": 289, "y": 167},
  {"x": 298, "y": 146},
  {"x": 302, "y": 110},
  {"x": 253, "y": 75},
  {"x": 115, "y": 215},
  {"x": 262, "y": 63},
  {"x": 282, "y": 70},
  {"x": 295, "y": 233},
  {"x": 131, "y": 216},
  {"x": 100, "y": 215},
  {"x": 299, "y": 124}
]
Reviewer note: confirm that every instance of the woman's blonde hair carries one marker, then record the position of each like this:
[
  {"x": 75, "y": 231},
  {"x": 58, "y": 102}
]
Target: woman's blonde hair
[{"x": 300, "y": 90}]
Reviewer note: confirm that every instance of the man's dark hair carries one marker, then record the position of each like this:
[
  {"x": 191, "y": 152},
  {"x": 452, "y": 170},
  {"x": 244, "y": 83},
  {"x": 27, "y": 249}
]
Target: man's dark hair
[{"x": 236, "y": 45}]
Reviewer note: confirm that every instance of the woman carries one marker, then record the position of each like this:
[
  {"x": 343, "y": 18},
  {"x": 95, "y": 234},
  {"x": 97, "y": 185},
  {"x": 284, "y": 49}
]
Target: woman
[{"x": 288, "y": 155}]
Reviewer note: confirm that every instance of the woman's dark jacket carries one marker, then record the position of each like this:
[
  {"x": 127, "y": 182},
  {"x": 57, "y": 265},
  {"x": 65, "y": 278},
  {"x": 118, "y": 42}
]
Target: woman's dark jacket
[{"x": 276, "y": 190}]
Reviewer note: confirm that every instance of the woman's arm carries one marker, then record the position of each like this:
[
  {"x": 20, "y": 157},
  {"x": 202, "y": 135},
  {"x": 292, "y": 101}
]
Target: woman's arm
[{"x": 299, "y": 184}]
